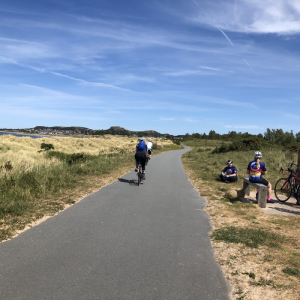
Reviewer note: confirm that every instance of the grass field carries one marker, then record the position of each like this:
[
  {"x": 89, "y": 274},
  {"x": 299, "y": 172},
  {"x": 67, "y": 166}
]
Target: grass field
[
  {"x": 259, "y": 253},
  {"x": 35, "y": 183}
]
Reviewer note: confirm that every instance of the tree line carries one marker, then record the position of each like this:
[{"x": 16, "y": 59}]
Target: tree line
[{"x": 272, "y": 136}]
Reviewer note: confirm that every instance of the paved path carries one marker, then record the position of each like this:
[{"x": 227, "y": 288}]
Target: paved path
[{"x": 122, "y": 242}]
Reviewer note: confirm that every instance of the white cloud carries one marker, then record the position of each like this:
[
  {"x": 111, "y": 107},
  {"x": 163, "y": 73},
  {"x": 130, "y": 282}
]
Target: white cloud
[{"x": 253, "y": 16}]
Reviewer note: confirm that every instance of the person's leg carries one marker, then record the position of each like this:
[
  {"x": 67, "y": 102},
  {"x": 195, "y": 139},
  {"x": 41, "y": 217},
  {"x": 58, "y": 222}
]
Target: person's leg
[
  {"x": 143, "y": 161},
  {"x": 232, "y": 178},
  {"x": 269, "y": 190},
  {"x": 268, "y": 184},
  {"x": 140, "y": 159},
  {"x": 222, "y": 177}
]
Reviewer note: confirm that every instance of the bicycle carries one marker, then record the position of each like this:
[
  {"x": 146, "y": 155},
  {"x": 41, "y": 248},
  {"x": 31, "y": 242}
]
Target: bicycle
[
  {"x": 284, "y": 187},
  {"x": 148, "y": 157},
  {"x": 140, "y": 174}
]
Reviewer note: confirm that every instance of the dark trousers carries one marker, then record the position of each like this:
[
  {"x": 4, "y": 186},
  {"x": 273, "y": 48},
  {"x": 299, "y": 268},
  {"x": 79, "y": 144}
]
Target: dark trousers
[
  {"x": 140, "y": 157},
  {"x": 230, "y": 179}
]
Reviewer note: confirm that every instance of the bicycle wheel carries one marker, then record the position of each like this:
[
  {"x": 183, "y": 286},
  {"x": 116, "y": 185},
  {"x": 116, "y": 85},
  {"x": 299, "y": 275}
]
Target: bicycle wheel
[
  {"x": 283, "y": 189},
  {"x": 298, "y": 195}
]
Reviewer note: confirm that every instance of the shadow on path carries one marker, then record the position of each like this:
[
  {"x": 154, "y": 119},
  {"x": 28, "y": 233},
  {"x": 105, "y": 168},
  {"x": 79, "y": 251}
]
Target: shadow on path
[
  {"x": 130, "y": 182},
  {"x": 286, "y": 210}
]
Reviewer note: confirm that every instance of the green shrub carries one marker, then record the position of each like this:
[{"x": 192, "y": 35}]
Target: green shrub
[
  {"x": 47, "y": 147},
  {"x": 293, "y": 147},
  {"x": 239, "y": 145},
  {"x": 77, "y": 158}
]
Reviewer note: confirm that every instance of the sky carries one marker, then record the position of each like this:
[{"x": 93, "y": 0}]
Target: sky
[{"x": 174, "y": 66}]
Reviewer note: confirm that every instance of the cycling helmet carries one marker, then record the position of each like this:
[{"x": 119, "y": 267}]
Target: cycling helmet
[
  {"x": 149, "y": 140},
  {"x": 257, "y": 155},
  {"x": 229, "y": 161},
  {"x": 141, "y": 139}
]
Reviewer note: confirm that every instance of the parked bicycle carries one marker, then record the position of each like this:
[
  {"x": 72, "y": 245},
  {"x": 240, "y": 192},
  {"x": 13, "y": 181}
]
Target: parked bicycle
[{"x": 286, "y": 187}]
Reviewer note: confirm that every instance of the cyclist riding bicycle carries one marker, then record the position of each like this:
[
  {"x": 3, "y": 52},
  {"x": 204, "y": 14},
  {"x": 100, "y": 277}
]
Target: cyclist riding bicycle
[
  {"x": 141, "y": 154},
  {"x": 255, "y": 170},
  {"x": 149, "y": 146}
]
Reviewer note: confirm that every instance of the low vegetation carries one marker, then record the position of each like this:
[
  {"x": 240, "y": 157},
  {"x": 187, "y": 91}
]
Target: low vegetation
[
  {"x": 259, "y": 253},
  {"x": 39, "y": 178}
]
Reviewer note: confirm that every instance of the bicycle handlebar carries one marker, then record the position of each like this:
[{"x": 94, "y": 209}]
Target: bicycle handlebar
[
  {"x": 293, "y": 164},
  {"x": 281, "y": 171}
]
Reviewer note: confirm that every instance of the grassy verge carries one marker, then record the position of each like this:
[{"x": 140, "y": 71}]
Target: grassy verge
[
  {"x": 58, "y": 179},
  {"x": 259, "y": 253}
]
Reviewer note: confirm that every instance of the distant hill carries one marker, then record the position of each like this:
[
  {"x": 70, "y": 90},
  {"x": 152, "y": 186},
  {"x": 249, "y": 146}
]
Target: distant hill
[
  {"x": 74, "y": 130},
  {"x": 71, "y": 128},
  {"x": 116, "y": 130},
  {"x": 122, "y": 131}
]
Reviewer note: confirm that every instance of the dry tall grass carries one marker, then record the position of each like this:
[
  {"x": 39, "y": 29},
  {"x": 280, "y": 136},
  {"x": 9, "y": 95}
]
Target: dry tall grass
[{"x": 23, "y": 153}]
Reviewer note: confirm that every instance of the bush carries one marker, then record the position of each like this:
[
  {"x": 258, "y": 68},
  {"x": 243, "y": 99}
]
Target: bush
[
  {"x": 239, "y": 145},
  {"x": 47, "y": 147},
  {"x": 154, "y": 146},
  {"x": 293, "y": 147},
  {"x": 70, "y": 158},
  {"x": 77, "y": 158}
]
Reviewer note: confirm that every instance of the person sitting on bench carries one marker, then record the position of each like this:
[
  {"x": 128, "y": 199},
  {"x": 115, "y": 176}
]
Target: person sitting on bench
[
  {"x": 229, "y": 174},
  {"x": 256, "y": 169}
]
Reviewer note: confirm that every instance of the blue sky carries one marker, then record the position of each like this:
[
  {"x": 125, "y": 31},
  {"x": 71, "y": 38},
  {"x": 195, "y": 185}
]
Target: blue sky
[{"x": 174, "y": 66}]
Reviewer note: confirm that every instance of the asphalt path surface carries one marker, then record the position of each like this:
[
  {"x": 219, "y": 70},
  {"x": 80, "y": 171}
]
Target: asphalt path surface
[{"x": 122, "y": 242}]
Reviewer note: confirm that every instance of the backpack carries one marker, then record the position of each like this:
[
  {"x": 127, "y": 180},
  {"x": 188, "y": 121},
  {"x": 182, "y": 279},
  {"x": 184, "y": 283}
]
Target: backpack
[{"x": 141, "y": 146}]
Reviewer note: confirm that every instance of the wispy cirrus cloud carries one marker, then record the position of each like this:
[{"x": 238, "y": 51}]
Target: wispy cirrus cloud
[
  {"x": 225, "y": 102},
  {"x": 25, "y": 95},
  {"x": 191, "y": 120},
  {"x": 81, "y": 81},
  {"x": 183, "y": 73},
  {"x": 210, "y": 68},
  {"x": 166, "y": 119},
  {"x": 243, "y": 126},
  {"x": 19, "y": 41}
]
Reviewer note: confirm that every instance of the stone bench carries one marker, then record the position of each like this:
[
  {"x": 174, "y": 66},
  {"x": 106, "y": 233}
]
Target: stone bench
[{"x": 262, "y": 192}]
